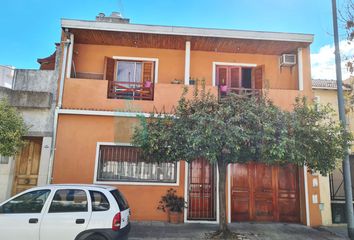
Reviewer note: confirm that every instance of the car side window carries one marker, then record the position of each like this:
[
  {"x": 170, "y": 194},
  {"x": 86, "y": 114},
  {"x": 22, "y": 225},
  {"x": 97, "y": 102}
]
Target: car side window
[
  {"x": 69, "y": 200},
  {"x": 30, "y": 202},
  {"x": 99, "y": 201}
]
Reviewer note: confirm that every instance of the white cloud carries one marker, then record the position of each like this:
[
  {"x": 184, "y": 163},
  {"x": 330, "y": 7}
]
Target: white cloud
[{"x": 323, "y": 62}]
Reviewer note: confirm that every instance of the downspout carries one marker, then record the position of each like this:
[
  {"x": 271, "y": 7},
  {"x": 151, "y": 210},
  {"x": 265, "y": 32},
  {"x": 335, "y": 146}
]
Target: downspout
[
  {"x": 58, "y": 107},
  {"x": 307, "y": 207}
]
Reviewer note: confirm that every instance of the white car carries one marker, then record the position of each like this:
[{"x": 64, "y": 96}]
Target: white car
[{"x": 65, "y": 212}]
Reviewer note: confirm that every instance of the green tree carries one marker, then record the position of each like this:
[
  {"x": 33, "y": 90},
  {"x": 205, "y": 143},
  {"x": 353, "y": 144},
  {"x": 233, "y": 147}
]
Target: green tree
[
  {"x": 239, "y": 129},
  {"x": 12, "y": 128}
]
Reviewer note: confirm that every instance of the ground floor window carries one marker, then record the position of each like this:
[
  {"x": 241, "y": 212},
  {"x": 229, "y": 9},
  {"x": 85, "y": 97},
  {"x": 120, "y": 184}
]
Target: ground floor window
[{"x": 123, "y": 164}]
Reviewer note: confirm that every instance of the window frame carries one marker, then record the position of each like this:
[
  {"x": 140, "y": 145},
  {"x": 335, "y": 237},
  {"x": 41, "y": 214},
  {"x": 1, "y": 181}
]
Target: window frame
[
  {"x": 138, "y": 59},
  {"x": 95, "y": 181},
  {"x": 88, "y": 199}
]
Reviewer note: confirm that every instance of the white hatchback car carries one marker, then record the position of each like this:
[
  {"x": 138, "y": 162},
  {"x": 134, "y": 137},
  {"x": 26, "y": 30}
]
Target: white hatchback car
[{"x": 65, "y": 212}]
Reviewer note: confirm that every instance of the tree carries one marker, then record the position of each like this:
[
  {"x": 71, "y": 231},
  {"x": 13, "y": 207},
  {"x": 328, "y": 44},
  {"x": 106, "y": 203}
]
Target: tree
[
  {"x": 12, "y": 128},
  {"x": 239, "y": 129}
]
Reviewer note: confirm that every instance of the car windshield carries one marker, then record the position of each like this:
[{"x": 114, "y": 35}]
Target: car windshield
[{"x": 120, "y": 199}]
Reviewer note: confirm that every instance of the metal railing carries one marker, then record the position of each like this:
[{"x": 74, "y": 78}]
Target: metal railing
[
  {"x": 243, "y": 92},
  {"x": 130, "y": 90}
]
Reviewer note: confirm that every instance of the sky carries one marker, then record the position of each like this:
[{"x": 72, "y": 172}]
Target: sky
[{"x": 29, "y": 28}]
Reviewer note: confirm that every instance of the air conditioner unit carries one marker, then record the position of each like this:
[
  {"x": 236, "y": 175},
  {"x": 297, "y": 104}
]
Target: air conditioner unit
[{"x": 287, "y": 60}]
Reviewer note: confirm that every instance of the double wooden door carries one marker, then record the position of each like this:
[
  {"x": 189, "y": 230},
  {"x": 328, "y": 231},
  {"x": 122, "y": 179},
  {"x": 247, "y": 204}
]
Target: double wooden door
[
  {"x": 27, "y": 165},
  {"x": 264, "y": 193},
  {"x": 201, "y": 190}
]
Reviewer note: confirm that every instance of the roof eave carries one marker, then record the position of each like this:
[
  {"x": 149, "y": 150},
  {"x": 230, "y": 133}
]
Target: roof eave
[{"x": 187, "y": 31}]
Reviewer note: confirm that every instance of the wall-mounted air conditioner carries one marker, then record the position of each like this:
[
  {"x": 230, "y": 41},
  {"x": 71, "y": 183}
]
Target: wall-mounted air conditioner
[{"x": 287, "y": 60}]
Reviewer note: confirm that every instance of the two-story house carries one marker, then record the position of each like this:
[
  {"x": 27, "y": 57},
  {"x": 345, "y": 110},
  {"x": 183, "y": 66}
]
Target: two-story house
[{"x": 113, "y": 71}]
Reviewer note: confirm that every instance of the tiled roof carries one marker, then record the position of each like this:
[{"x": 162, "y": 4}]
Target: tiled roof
[{"x": 327, "y": 84}]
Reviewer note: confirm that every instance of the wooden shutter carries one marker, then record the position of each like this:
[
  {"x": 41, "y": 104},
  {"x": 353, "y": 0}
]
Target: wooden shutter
[
  {"x": 221, "y": 75},
  {"x": 258, "y": 75},
  {"x": 148, "y": 71},
  {"x": 235, "y": 77},
  {"x": 109, "y": 68}
]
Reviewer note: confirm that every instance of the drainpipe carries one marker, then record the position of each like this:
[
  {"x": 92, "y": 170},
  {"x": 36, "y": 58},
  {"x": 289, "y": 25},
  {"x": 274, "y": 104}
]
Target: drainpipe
[
  {"x": 307, "y": 207},
  {"x": 56, "y": 111}
]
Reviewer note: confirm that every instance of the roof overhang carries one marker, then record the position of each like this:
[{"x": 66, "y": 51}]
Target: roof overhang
[{"x": 214, "y": 36}]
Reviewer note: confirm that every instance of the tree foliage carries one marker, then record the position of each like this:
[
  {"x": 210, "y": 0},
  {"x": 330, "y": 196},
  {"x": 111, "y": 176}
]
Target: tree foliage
[
  {"x": 12, "y": 128},
  {"x": 240, "y": 129}
]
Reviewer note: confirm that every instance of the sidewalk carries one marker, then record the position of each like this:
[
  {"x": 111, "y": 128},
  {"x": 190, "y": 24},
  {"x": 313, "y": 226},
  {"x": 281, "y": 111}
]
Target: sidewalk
[
  {"x": 337, "y": 229},
  {"x": 247, "y": 231}
]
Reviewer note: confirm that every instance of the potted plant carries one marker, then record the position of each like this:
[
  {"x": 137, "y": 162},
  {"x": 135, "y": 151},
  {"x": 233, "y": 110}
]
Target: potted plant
[
  {"x": 223, "y": 86},
  {"x": 173, "y": 205}
]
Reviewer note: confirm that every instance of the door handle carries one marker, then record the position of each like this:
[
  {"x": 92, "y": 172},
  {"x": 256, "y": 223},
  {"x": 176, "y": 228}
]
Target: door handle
[
  {"x": 80, "y": 221},
  {"x": 33, "y": 220}
]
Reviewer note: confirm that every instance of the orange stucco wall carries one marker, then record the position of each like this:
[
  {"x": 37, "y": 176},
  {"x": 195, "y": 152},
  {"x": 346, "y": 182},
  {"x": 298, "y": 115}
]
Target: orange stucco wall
[
  {"x": 75, "y": 160},
  {"x": 90, "y": 59}
]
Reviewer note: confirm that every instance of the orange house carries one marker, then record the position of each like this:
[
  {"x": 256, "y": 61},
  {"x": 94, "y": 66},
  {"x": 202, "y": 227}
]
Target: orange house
[{"x": 113, "y": 71}]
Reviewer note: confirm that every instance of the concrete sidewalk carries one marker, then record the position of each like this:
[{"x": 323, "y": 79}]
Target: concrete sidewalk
[{"x": 247, "y": 231}]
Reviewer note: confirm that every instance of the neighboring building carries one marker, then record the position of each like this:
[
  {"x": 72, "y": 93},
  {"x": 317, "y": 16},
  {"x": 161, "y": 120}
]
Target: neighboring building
[
  {"x": 116, "y": 71},
  {"x": 33, "y": 93},
  {"x": 332, "y": 186}
]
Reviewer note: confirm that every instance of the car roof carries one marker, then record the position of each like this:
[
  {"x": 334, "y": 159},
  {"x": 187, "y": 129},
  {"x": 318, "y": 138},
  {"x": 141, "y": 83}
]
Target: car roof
[{"x": 81, "y": 186}]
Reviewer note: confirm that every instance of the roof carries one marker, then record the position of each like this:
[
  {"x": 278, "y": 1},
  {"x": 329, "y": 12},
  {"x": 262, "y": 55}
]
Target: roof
[
  {"x": 186, "y": 31},
  {"x": 328, "y": 84}
]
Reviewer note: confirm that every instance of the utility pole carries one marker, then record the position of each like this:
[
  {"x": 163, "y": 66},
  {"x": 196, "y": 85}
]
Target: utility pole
[{"x": 342, "y": 118}]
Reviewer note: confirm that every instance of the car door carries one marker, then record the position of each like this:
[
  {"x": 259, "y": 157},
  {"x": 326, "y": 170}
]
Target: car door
[
  {"x": 68, "y": 215},
  {"x": 21, "y": 216}
]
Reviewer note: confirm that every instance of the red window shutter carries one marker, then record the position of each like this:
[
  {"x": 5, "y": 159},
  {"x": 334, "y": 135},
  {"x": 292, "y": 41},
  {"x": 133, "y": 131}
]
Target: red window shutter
[
  {"x": 221, "y": 75},
  {"x": 235, "y": 77},
  {"x": 109, "y": 70}
]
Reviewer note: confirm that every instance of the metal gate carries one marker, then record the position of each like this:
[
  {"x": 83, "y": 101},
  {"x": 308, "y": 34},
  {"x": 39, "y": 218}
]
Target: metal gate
[{"x": 202, "y": 191}]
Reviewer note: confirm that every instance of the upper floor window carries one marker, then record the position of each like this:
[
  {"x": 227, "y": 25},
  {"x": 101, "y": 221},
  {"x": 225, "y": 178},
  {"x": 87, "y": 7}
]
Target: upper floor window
[
  {"x": 130, "y": 78},
  {"x": 123, "y": 164},
  {"x": 239, "y": 79}
]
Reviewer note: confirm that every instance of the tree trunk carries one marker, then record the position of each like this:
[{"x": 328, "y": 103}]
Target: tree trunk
[{"x": 222, "y": 198}]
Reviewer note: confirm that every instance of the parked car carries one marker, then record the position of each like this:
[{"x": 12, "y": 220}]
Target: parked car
[{"x": 65, "y": 212}]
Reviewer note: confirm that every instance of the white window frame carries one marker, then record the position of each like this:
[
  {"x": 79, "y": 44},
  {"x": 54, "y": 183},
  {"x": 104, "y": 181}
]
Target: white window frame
[
  {"x": 155, "y": 60},
  {"x": 95, "y": 181}
]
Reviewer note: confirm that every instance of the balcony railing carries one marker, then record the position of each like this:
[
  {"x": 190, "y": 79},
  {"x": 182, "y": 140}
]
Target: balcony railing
[
  {"x": 245, "y": 92},
  {"x": 130, "y": 90}
]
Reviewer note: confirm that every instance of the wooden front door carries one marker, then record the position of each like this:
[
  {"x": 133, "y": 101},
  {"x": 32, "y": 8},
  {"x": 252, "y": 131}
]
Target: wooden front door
[
  {"x": 264, "y": 193},
  {"x": 201, "y": 190},
  {"x": 27, "y": 165}
]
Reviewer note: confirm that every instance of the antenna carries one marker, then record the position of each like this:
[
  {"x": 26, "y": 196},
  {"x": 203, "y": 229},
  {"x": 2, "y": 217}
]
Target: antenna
[{"x": 120, "y": 7}]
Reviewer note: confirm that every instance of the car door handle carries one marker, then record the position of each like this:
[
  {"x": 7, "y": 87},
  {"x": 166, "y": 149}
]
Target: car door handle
[
  {"x": 80, "y": 221},
  {"x": 33, "y": 220}
]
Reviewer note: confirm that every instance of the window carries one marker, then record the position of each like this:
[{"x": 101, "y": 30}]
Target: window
[
  {"x": 122, "y": 164},
  {"x": 130, "y": 79},
  {"x": 4, "y": 159},
  {"x": 99, "y": 201},
  {"x": 69, "y": 200},
  {"x": 120, "y": 199},
  {"x": 31, "y": 202}
]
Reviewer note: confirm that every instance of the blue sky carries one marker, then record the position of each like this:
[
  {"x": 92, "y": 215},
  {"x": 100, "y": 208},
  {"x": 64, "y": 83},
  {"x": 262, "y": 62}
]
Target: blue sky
[{"x": 29, "y": 28}]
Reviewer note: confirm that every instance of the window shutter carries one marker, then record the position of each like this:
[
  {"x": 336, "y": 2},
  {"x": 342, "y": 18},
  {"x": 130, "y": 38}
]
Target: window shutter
[
  {"x": 221, "y": 75},
  {"x": 148, "y": 71},
  {"x": 235, "y": 77},
  {"x": 109, "y": 68},
  {"x": 258, "y": 77}
]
